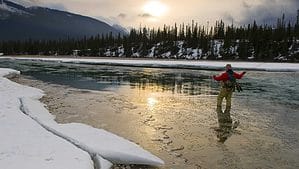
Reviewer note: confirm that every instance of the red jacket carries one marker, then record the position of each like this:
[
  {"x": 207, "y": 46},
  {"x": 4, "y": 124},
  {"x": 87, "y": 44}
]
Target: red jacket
[{"x": 224, "y": 76}]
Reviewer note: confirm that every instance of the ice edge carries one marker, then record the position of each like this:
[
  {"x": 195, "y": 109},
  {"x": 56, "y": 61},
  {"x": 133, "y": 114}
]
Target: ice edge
[{"x": 96, "y": 158}]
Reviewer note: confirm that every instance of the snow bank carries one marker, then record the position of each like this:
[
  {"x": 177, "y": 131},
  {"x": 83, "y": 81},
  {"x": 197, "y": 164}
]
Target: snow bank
[
  {"x": 24, "y": 143},
  {"x": 7, "y": 72},
  {"x": 210, "y": 65},
  {"x": 30, "y": 138},
  {"x": 95, "y": 141}
]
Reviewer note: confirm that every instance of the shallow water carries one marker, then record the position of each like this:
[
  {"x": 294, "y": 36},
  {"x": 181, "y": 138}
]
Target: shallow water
[{"x": 172, "y": 112}]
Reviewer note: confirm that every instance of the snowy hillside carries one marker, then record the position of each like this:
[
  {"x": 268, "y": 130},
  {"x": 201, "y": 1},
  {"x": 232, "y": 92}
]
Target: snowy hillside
[
  {"x": 42, "y": 24},
  {"x": 179, "y": 50},
  {"x": 26, "y": 3},
  {"x": 4, "y": 7}
]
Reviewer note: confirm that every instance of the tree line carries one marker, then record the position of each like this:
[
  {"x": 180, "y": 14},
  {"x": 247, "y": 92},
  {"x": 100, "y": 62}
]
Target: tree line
[{"x": 257, "y": 42}]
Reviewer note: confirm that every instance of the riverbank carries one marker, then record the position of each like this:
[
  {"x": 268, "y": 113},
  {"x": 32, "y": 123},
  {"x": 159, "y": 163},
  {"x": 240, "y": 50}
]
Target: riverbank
[
  {"x": 178, "y": 64},
  {"x": 109, "y": 111},
  {"x": 32, "y": 139}
]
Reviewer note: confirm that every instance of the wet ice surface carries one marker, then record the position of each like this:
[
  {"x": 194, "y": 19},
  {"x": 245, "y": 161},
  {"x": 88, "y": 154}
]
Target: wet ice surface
[{"x": 172, "y": 112}]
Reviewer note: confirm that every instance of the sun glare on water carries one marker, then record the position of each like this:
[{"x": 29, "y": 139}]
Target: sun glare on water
[
  {"x": 155, "y": 8},
  {"x": 151, "y": 102}
]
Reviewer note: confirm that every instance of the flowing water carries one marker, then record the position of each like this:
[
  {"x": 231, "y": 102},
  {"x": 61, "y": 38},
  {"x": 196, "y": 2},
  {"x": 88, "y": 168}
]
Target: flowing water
[{"x": 171, "y": 112}]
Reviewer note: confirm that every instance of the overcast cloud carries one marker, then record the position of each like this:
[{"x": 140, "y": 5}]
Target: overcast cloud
[{"x": 129, "y": 13}]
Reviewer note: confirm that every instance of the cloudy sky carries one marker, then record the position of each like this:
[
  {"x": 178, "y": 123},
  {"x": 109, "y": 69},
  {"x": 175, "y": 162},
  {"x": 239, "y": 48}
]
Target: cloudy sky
[{"x": 153, "y": 13}]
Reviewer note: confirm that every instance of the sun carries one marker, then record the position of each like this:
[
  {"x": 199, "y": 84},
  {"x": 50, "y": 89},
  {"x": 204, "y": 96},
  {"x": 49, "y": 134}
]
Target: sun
[{"x": 155, "y": 8}]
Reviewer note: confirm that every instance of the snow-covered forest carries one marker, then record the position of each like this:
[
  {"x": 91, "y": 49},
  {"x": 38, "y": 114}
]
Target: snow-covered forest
[{"x": 254, "y": 42}]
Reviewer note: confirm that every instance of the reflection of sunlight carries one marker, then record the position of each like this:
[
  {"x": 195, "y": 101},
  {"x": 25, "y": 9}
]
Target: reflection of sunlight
[{"x": 151, "y": 102}]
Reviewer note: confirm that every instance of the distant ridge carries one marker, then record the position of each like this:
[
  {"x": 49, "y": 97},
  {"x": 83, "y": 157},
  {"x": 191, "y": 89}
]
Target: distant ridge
[{"x": 38, "y": 23}]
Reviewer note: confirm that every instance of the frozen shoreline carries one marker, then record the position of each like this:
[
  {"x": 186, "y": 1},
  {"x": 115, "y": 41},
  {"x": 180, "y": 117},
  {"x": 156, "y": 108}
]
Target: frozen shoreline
[
  {"x": 181, "y": 64},
  {"x": 133, "y": 123},
  {"x": 183, "y": 136},
  {"x": 31, "y": 138}
]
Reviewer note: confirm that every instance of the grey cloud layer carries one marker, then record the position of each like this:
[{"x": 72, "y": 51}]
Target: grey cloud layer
[
  {"x": 268, "y": 11},
  {"x": 145, "y": 15},
  {"x": 122, "y": 15},
  {"x": 129, "y": 12}
]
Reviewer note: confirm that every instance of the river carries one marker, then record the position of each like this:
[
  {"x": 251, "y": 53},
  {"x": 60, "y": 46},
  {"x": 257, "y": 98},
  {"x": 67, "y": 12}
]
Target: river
[{"x": 171, "y": 112}]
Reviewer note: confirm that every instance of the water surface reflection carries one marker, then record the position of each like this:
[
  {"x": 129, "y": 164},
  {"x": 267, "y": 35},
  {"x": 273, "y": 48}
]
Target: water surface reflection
[{"x": 109, "y": 77}]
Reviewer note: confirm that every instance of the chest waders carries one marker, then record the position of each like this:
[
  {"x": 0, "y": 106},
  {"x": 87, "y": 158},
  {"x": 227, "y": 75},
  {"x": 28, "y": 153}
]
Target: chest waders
[{"x": 226, "y": 91}]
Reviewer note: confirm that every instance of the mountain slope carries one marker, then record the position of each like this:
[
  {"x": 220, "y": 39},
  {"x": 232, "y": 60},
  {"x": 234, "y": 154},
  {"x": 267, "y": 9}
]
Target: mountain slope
[{"x": 21, "y": 23}]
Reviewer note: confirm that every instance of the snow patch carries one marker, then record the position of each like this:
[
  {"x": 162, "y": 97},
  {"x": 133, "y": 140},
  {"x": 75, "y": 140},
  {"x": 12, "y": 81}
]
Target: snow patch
[
  {"x": 12, "y": 9},
  {"x": 121, "y": 51},
  {"x": 136, "y": 54},
  {"x": 152, "y": 52},
  {"x": 108, "y": 53},
  {"x": 166, "y": 55}
]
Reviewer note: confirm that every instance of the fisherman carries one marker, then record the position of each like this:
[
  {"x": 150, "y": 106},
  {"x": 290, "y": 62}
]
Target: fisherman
[{"x": 228, "y": 85}]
